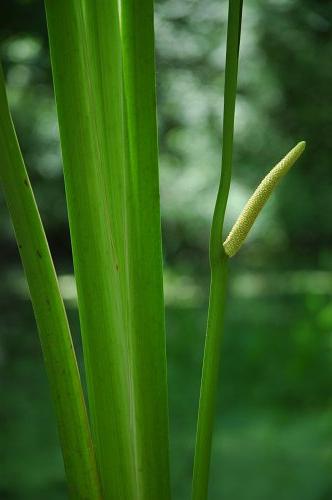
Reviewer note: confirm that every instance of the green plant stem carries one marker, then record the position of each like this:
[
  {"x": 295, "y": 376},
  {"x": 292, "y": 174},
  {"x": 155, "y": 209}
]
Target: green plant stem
[
  {"x": 145, "y": 266},
  {"x": 55, "y": 338},
  {"x": 107, "y": 121},
  {"x": 209, "y": 384},
  {"x": 90, "y": 113},
  {"x": 218, "y": 263}
]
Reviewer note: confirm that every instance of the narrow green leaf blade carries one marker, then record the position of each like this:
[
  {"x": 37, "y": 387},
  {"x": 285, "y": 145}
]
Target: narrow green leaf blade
[
  {"x": 114, "y": 217},
  {"x": 50, "y": 314},
  {"x": 96, "y": 216},
  {"x": 145, "y": 256}
]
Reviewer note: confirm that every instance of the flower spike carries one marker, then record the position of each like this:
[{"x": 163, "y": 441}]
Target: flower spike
[{"x": 258, "y": 199}]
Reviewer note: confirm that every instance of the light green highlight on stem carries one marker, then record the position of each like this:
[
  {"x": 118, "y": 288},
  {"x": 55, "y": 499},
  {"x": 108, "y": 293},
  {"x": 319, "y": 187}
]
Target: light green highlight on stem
[
  {"x": 256, "y": 202},
  {"x": 54, "y": 333}
]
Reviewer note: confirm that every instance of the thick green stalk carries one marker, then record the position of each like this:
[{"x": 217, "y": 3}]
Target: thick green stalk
[
  {"x": 96, "y": 216},
  {"x": 218, "y": 263},
  {"x": 144, "y": 239},
  {"x": 50, "y": 314},
  {"x": 114, "y": 218}
]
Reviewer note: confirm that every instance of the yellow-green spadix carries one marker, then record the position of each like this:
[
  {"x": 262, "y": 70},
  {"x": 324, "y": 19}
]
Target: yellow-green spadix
[{"x": 257, "y": 201}]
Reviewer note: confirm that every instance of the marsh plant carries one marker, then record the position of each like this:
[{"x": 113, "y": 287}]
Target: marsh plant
[{"x": 103, "y": 65}]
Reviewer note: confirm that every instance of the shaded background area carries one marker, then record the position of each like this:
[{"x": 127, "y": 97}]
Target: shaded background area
[{"x": 274, "y": 426}]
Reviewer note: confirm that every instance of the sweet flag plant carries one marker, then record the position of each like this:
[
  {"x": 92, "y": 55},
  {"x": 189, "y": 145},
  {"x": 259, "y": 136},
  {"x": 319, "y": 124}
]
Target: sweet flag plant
[{"x": 115, "y": 444}]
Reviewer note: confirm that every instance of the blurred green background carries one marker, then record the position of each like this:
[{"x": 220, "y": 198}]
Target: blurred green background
[{"x": 273, "y": 436}]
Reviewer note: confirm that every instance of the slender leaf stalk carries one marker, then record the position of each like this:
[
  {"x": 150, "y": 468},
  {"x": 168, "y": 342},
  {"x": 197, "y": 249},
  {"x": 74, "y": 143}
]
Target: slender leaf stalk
[
  {"x": 111, "y": 179},
  {"x": 58, "y": 351},
  {"x": 218, "y": 263}
]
